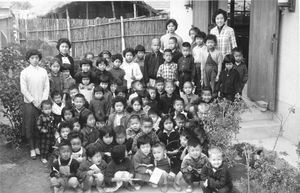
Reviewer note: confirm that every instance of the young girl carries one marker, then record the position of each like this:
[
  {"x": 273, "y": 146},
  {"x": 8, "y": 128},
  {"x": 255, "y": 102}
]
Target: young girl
[
  {"x": 192, "y": 33},
  {"x": 86, "y": 89},
  {"x": 101, "y": 65},
  {"x": 89, "y": 131},
  {"x": 171, "y": 27},
  {"x": 154, "y": 115},
  {"x": 55, "y": 77},
  {"x": 108, "y": 57},
  {"x": 134, "y": 128},
  {"x": 132, "y": 69},
  {"x": 165, "y": 104},
  {"x": 57, "y": 106},
  {"x": 98, "y": 104},
  {"x": 119, "y": 116},
  {"x": 68, "y": 81},
  {"x": 67, "y": 114},
  {"x": 187, "y": 95},
  {"x": 78, "y": 152},
  {"x": 63, "y": 46},
  {"x": 105, "y": 142},
  {"x": 76, "y": 125},
  {"x": 46, "y": 126},
  {"x": 136, "y": 105}
]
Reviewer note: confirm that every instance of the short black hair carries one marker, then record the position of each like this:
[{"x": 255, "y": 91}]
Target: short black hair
[
  {"x": 193, "y": 142},
  {"x": 118, "y": 153},
  {"x": 219, "y": 11},
  {"x": 62, "y": 125},
  {"x": 195, "y": 29},
  {"x": 65, "y": 66},
  {"x": 147, "y": 119},
  {"x": 120, "y": 130},
  {"x": 98, "y": 89},
  {"x": 201, "y": 34},
  {"x": 169, "y": 51},
  {"x": 137, "y": 117},
  {"x": 164, "y": 119},
  {"x": 55, "y": 93},
  {"x": 64, "y": 143},
  {"x": 104, "y": 78},
  {"x": 229, "y": 58},
  {"x": 67, "y": 108},
  {"x": 104, "y": 52},
  {"x": 46, "y": 102},
  {"x": 119, "y": 99},
  {"x": 160, "y": 79},
  {"x": 211, "y": 37},
  {"x": 53, "y": 60},
  {"x": 136, "y": 99},
  {"x": 153, "y": 111},
  {"x": 206, "y": 88},
  {"x": 178, "y": 99},
  {"x": 236, "y": 49},
  {"x": 186, "y": 45},
  {"x": 117, "y": 57},
  {"x": 106, "y": 130},
  {"x": 85, "y": 61},
  {"x": 100, "y": 60},
  {"x": 159, "y": 144},
  {"x": 172, "y": 21},
  {"x": 180, "y": 116},
  {"x": 128, "y": 50},
  {"x": 89, "y": 53},
  {"x": 139, "y": 48},
  {"x": 75, "y": 134},
  {"x": 79, "y": 95},
  {"x": 91, "y": 150},
  {"x": 142, "y": 140},
  {"x": 73, "y": 87},
  {"x": 63, "y": 40},
  {"x": 33, "y": 52},
  {"x": 121, "y": 89},
  {"x": 173, "y": 38}
]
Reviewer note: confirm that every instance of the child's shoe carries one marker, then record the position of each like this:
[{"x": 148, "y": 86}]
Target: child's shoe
[
  {"x": 177, "y": 187},
  {"x": 189, "y": 189},
  {"x": 37, "y": 151},
  {"x": 129, "y": 187},
  {"x": 32, "y": 154},
  {"x": 154, "y": 185},
  {"x": 137, "y": 187},
  {"x": 44, "y": 161},
  {"x": 164, "y": 188}
]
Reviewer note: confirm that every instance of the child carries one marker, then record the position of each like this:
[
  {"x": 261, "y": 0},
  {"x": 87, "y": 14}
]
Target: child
[
  {"x": 229, "y": 83},
  {"x": 136, "y": 105},
  {"x": 241, "y": 67},
  {"x": 132, "y": 69},
  {"x": 63, "y": 46},
  {"x": 171, "y": 27},
  {"x": 192, "y": 33},
  {"x": 206, "y": 95},
  {"x": 188, "y": 96},
  {"x": 180, "y": 121},
  {"x": 118, "y": 73},
  {"x": 55, "y": 77},
  {"x": 140, "y": 57},
  {"x": 107, "y": 56},
  {"x": 46, "y": 126},
  {"x": 64, "y": 169},
  {"x": 99, "y": 105},
  {"x": 68, "y": 81},
  {"x": 186, "y": 65},
  {"x": 160, "y": 87},
  {"x": 119, "y": 116},
  {"x": 106, "y": 142},
  {"x": 68, "y": 114},
  {"x": 101, "y": 123},
  {"x": 137, "y": 88},
  {"x": 152, "y": 62},
  {"x": 89, "y": 131},
  {"x": 215, "y": 174},
  {"x": 153, "y": 114},
  {"x": 86, "y": 88},
  {"x": 119, "y": 170},
  {"x": 143, "y": 160},
  {"x": 211, "y": 63},
  {"x": 198, "y": 52},
  {"x": 147, "y": 130},
  {"x": 168, "y": 70},
  {"x": 113, "y": 87},
  {"x": 64, "y": 129},
  {"x": 165, "y": 103},
  {"x": 85, "y": 66},
  {"x": 120, "y": 138},
  {"x": 192, "y": 164},
  {"x": 78, "y": 152},
  {"x": 92, "y": 170},
  {"x": 57, "y": 106},
  {"x": 178, "y": 106},
  {"x": 121, "y": 91},
  {"x": 134, "y": 128},
  {"x": 173, "y": 45},
  {"x": 76, "y": 126},
  {"x": 79, "y": 108},
  {"x": 34, "y": 83},
  {"x": 101, "y": 65}
]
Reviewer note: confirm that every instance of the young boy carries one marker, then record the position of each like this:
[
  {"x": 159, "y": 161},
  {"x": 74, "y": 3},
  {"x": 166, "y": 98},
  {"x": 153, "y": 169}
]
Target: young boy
[
  {"x": 140, "y": 57},
  {"x": 98, "y": 105},
  {"x": 118, "y": 73},
  {"x": 64, "y": 170},
  {"x": 68, "y": 81},
  {"x": 106, "y": 142},
  {"x": 160, "y": 87},
  {"x": 57, "y": 106},
  {"x": 121, "y": 139},
  {"x": 168, "y": 70},
  {"x": 134, "y": 127},
  {"x": 179, "y": 106},
  {"x": 215, "y": 174},
  {"x": 186, "y": 66},
  {"x": 85, "y": 66},
  {"x": 89, "y": 131},
  {"x": 55, "y": 77},
  {"x": 188, "y": 96},
  {"x": 154, "y": 115},
  {"x": 34, "y": 83},
  {"x": 193, "y": 163},
  {"x": 147, "y": 130},
  {"x": 206, "y": 95},
  {"x": 166, "y": 101},
  {"x": 101, "y": 65},
  {"x": 229, "y": 84},
  {"x": 78, "y": 152},
  {"x": 173, "y": 45},
  {"x": 241, "y": 67},
  {"x": 119, "y": 116},
  {"x": 152, "y": 62},
  {"x": 92, "y": 170},
  {"x": 79, "y": 107}
]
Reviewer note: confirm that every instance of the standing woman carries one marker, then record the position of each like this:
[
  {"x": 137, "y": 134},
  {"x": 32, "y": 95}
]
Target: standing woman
[
  {"x": 63, "y": 46},
  {"x": 171, "y": 27},
  {"x": 225, "y": 34}
]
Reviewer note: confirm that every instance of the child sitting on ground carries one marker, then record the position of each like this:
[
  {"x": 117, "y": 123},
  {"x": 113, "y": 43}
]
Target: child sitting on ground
[
  {"x": 119, "y": 116},
  {"x": 180, "y": 121},
  {"x": 178, "y": 106},
  {"x": 134, "y": 128},
  {"x": 215, "y": 174},
  {"x": 106, "y": 142},
  {"x": 89, "y": 131},
  {"x": 64, "y": 129},
  {"x": 91, "y": 171},
  {"x": 187, "y": 95},
  {"x": 78, "y": 152}
]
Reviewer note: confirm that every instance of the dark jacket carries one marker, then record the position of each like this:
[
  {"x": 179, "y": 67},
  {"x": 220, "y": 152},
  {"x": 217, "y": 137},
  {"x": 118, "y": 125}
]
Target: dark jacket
[
  {"x": 140, "y": 160},
  {"x": 151, "y": 65},
  {"x": 167, "y": 138},
  {"x": 82, "y": 114},
  {"x": 113, "y": 167},
  {"x": 85, "y": 167},
  {"x": 72, "y": 65},
  {"x": 165, "y": 104},
  {"x": 186, "y": 69},
  {"x": 118, "y": 75},
  {"x": 243, "y": 72},
  {"x": 229, "y": 82},
  {"x": 98, "y": 75},
  {"x": 73, "y": 167},
  {"x": 100, "y": 108},
  {"x": 176, "y": 55},
  {"x": 78, "y": 77},
  {"x": 104, "y": 149},
  {"x": 90, "y": 135}
]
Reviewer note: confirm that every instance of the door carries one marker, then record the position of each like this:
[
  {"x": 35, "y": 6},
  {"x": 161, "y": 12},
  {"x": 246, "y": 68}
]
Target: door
[{"x": 264, "y": 24}]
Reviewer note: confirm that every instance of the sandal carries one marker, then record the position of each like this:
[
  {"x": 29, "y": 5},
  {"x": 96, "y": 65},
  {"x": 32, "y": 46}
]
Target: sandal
[{"x": 32, "y": 154}]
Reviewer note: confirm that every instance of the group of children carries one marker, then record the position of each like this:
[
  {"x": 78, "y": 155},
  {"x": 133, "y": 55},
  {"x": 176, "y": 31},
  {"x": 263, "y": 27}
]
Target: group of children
[{"x": 118, "y": 118}]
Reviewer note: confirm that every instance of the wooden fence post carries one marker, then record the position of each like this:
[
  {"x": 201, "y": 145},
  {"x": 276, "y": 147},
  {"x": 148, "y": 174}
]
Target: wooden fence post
[
  {"x": 113, "y": 9},
  {"x": 69, "y": 29},
  {"x": 122, "y": 34},
  {"x": 134, "y": 10}
]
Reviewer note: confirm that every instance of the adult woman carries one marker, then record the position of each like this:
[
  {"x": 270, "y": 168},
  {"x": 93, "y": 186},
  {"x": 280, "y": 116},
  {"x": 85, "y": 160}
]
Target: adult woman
[
  {"x": 171, "y": 27},
  {"x": 63, "y": 46},
  {"x": 225, "y": 34}
]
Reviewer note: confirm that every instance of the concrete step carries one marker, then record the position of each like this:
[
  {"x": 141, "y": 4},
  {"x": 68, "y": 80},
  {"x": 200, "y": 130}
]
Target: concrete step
[{"x": 254, "y": 114}]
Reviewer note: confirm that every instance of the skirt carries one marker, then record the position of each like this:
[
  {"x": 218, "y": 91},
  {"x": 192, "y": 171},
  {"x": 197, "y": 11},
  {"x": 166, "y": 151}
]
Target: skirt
[{"x": 30, "y": 115}]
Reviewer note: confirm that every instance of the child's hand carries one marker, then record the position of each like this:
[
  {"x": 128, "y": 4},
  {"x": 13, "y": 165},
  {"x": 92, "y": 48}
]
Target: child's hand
[
  {"x": 205, "y": 184},
  {"x": 219, "y": 94},
  {"x": 189, "y": 168},
  {"x": 107, "y": 154},
  {"x": 96, "y": 170},
  {"x": 176, "y": 83},
  {"x": 90, "y": 86},
  {"x": 199, "y": 171},
  {"x": 90, "y": 172},
  {"x": 149, "y": 172},
  {"x": 217, "y": 78}
]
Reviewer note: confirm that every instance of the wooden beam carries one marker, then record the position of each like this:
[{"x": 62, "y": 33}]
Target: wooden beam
[
  {"x": 87, "y": 10},
  {"x": 134, "y": 10},
  {"x": 69, "y": 28},
  {"x": 113, "y": 9}
]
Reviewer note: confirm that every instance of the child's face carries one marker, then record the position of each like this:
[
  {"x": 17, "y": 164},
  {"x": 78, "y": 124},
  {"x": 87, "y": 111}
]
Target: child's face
[
  {"x": 192, "y": 34},
  {"x": 128, "y": 57},
  {"x": 66, "y": 73},
  {"x": 210, "y": 44},
  {"x": 229, "y": 66},
  {"x": 155, "y": 45},
  {"x": 113, "y": 87},
  {"x": 64, "y": 132},
  {"x": 140, "y": 55},
  {"x": 154, "y": 117},
  {"x": 185, "y": 51},
  {"x": 57, "y": 99},
  {"x": 47, "y": 109},
  {"x": 187, "y": 88},
  {"x": 179, "y": 123},
  {"x": 76, "y": 127},
  {"x": 168, "y": 125},
  {"x": 160, "y": 86},
  {"x": 91, "y": 121},
  {"x": 199, "y": 41},
  {"x": 216, "y": 160},
  {"x": 119, "y": 107},
  {"x": 172, "y": 44},
  {"x": 68, "y": 115},
  {"x": 121, "y": 94},
  {"x": 169, "y": 88},
  {"x": 34, "y": 60},
  {"x": 98, "y": 95},
  {"x": 195, "y": 152},
  {"x": 75, "y": 144},
  {"x": 117, "y": 63},
  {"x": 147, "y": 127},
  {"x": 158, "y": 153},
  {"x": 79, "y": 102},
  {"x": 85, "y": 67},
  {"x": 101, "y": 66},
  {"x": 202, "y": 110},
  {"x": 135, "y": 124},
  {"x": 85, "y": 81},
  {"x": 104, "y": 85},
  {"x": 183, "y": 141},
  {"x": 171, "y": 27},
  {"x": 55, "y": 67},
  {"x": 168, "y": 57},
  {"x": 238, "y": 56},
  {"x": 96, "y": 159},
  {"x": 107, "y": 139},
  {"x": 73, "y": 92},
  {"x": 120, "y": 139},
  {"x": 136, "y": 106},
  {"x": 138, "y": 86},
  {"x": 145, "y": 101},
  {"x": 178, "y": 106},
  {"x": 145, "y": 148},
  {"x": 106, "y": 57},
  {"x": 152, "y": 94},
  {"x": 100, "y": 124},
  {"x": 65, "y": 152},
  {"x": 64, "y": 48},
  {"x": 90, "y": 57},
  {"x": 206, "y": 96}
]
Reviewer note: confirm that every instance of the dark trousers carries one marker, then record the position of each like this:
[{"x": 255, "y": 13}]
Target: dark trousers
[
  {"x": 225, "y": 189},
  {"x": 191, "y": 177},
  {"x": 46, "y": 143}
]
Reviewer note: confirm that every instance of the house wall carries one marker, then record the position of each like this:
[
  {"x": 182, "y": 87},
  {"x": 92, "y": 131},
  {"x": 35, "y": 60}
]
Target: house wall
[{"x": 288, "y": 90}]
